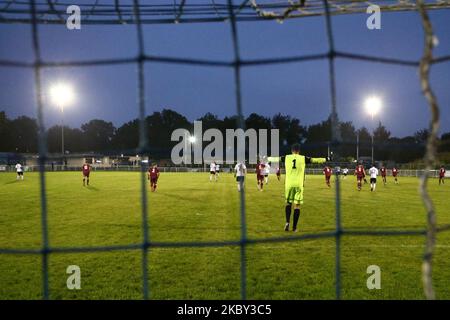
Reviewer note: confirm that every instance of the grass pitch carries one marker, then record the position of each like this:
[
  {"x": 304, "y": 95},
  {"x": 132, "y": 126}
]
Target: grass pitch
[{"x": 187, "y": 207}]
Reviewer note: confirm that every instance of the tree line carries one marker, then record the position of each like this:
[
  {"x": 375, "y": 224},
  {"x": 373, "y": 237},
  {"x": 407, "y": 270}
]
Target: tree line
[{"x": 21, "y": 135}]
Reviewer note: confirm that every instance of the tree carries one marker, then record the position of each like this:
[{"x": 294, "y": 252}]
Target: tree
[
  {"x": 290, "y": 129},
  {"x": 365, "y": 142},
  {"x": 229, "y": 123},
  {"x": 404, "y": 149},
  {"x": 255, "y": 121},
  {"x": 445, "y": 136},
  {"x": 5, "y": 133},
  {"x": 210, "y": 121},
  {"x": 74, "y": 139},
  {"x": 444, "y": 144},
  {"x": 160, "y": 128},
  {"x": 364, "y": 135},
  {"x": 98, "y": 135},
  {"x": 126, "y": 136},
  {"x": 348, "y": 132},
  {"x": 381, "y": 134},
  {"x": 24, "y": 134},
  {"x": 421, "y": 136},
  {"x": 320, "y": 132},
  {"x": 348, "y": 143}
]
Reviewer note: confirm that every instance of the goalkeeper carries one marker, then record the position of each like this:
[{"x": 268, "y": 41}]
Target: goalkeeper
[{"x": 295, "y": 178}]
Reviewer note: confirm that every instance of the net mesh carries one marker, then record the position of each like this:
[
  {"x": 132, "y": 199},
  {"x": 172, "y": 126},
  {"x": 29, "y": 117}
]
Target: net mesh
[
  {"x": 181, "y": 11},
  {"x": 37, "y": 12}
]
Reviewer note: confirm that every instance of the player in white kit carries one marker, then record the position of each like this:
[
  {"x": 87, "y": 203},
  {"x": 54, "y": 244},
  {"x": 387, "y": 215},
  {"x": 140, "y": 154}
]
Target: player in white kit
[
  {"x": 266, "y": 173},
  {"x": 373, "y": 177},
  {"x": 19, "y": 170},
  {"x": 212, "y": 171},
  {"x": 240, "y": 171},
  {"x": 345, "y": 172},
  {"x": 217, "y": 170}
]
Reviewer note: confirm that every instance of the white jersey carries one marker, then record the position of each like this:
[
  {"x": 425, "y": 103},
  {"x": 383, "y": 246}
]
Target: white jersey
[
  {"x": 373, "y": 172},
  {"x": 217, "y": 167},
  {"x": 19, "y": 167},
  {"x": 212, "y": 167},
  {"x": 240, "y": 169},
  {"x": 345, "y": 170},
  {"x": 267, "y": 169}
]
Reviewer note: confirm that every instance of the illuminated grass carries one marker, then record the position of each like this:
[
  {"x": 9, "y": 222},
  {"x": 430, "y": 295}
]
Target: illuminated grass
[{"x": 187, "y": 207}]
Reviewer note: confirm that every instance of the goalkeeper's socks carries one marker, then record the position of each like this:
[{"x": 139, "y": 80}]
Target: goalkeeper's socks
[
  {"x": 296, "y": 217},
  {"x": 288, "y": 213}
]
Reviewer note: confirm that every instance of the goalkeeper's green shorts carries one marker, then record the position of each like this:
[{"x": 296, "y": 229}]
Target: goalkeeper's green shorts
[{"x": 294, "y": 195}]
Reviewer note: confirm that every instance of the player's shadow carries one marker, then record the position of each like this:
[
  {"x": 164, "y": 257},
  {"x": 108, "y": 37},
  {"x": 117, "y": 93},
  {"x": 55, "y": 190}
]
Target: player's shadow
[
  {"x": 381, "y": 228},
  {"x": 237, "y": 228},
  {"x": 11, "y": 182},
  {"x": 92, "y": 188}
]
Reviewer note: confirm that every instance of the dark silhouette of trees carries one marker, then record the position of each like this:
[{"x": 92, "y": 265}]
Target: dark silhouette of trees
[
  {"x": 127, "y": 136},
  {"x": 381, "y": 141},
  {"x": 444, "y": 145},
  {"x": 98, "y": 135},
  {"x": 257, "y": 122},
  {"x": 381, "y": 134},
  {"x": 211, "y": 121},
  {"x": 5, "y": 133},
  {"x": 20, "y": 135},
  {"x": 24, "y": 133},
  {"x": 421, "y": 136},
  {"x": 291, "y": 131},
  {"x": 74, "y": 139},
  {"x": 348, "y": 132},
  {"x": 160, "y": 128},
  {"x": 348, "y": 135}
]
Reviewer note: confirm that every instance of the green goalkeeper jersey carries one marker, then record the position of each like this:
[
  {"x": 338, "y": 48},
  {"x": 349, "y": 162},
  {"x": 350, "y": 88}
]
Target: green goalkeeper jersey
[{"x": 295, "y": 165}]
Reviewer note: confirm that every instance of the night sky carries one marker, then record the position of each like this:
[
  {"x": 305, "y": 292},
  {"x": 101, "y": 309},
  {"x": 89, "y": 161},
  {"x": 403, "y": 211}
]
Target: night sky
[{"x": 297, "y": 89}]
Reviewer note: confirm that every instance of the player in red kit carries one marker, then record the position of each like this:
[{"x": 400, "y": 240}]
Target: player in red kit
[
  {"x": 360, "y": 174},
  {"x": 395, "y": 174},
  {"x": 327, "y": 172},
  {"x": 86, "y": 171},
  {"x": 441, "y": 175},
  {"x": 278, "y": 173},
  {"x": 260, "y": 175},
  {"x": 383, "y": 174},
  {"x": 153, "y": 175}
]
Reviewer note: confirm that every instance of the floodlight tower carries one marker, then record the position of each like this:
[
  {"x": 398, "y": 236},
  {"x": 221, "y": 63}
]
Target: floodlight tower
[
  {"x": 61, "y": 95},
  {"x": 373, "y": 107}
]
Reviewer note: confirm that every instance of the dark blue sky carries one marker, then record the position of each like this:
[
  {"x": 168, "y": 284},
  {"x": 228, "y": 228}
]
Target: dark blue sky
[{"x": 297, "y": 89}]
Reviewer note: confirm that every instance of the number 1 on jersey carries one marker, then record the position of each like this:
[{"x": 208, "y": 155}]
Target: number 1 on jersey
[{"x": 294, "y": 162}]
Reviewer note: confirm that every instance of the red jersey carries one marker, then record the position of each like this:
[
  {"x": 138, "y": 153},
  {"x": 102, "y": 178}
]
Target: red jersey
[
  {"x": 153, "y": 173},
  {"x": 327, "y": 171},
  {"x": 394, "y": 172},
  {"x": 86, "y": 168},
  {"x": 360, "y": 171},
  {"x": 383, "y": 171},
  {"x": 260, "y": 169},
  {"x": 442, "y": 172}
]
